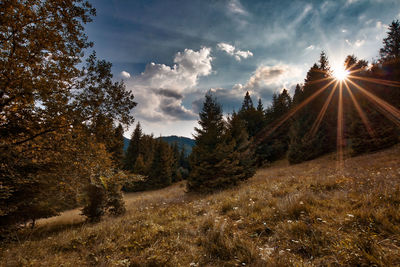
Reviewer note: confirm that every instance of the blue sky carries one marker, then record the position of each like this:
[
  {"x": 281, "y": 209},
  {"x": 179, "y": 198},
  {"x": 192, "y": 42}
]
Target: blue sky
[{"x": 170, "y": 53}]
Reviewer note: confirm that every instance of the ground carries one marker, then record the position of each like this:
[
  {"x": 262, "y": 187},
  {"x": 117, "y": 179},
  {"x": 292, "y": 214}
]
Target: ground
[{"x": 308, "y": 214}]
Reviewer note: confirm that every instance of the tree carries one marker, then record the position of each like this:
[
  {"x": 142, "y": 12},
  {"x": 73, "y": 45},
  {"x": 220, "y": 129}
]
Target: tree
[
  {"x": 253, "y": 118},
  {"x": 161, "y": 167},
  {"x": 275, "y": 146},
  {"x": 303, "y": 143},
  {"x": 214, "y": 161},
  {"x": 237, "y": 134},
  {"x": 117, "y": 148},
  {"x": 134, "y": 148},
  {"x": 49, "y": 108},
  {"x": 391, "y": 44}
]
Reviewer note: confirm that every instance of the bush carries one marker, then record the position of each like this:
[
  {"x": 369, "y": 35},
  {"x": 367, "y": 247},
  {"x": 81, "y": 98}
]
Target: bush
[
  {"x": 104, "y": 196},
  {"x": 95, "y": 202}
]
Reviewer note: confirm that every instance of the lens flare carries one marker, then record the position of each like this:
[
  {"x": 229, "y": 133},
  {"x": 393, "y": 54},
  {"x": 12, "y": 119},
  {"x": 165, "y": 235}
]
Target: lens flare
[{"x": 340, "y": 73}]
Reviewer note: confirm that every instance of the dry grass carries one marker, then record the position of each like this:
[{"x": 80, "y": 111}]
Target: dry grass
[{"x": 301, "y": 215}]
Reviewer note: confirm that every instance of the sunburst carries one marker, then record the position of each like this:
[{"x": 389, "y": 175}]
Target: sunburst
[{"x": 341, "y": 77}]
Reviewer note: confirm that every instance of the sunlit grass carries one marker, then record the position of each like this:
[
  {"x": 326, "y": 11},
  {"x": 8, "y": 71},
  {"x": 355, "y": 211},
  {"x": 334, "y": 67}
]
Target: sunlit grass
[{"x": 304, "y": 215}]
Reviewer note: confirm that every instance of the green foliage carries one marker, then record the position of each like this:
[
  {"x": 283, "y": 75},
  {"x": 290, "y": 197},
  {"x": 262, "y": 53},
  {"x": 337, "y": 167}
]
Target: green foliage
[
  {"x": 134, "y": 149},
  {"x": 216, "y": 160},
  {"x": 162, "y": 166},
  {"x": 139, "y": 166}
]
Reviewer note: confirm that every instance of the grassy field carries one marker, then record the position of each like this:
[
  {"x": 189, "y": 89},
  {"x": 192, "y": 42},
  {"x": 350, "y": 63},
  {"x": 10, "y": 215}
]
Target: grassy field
[{"x": 300, "y": 215}]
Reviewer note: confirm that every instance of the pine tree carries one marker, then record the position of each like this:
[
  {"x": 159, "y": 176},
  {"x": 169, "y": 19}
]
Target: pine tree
[
  {"x": 139, "y": 167},
  {"x": 214, "y": 161},
  {"x": 134, "y": 148},
  {"x": 161, "y": 166},
  {"x": 391, "y": 44},
  {"x": 247, "y": 102},
  {"x": 237, "y": 133},
  {"x": 260, "y": 107},
  {"x": 304, "y": 145},
  {"x": 117, "y": 148},
  {"x": 253, "y": 118},
  {"x": 298, "y": 95},
  {"x": 274, "y": 146},
  {"x": 175, "y": 163}
]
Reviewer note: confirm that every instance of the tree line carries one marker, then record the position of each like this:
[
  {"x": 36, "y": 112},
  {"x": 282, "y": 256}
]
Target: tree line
[
  {"x": 363, "y": 111},
  {"x": 158, "y": 163}
]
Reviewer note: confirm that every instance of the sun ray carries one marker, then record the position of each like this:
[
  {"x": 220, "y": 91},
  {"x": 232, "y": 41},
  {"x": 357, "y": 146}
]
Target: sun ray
[
  {"x": 265, "y": 134},
  {"x": 390, "y": 111},
  {"x": 321, "y": 80},
  {"x": 321, "y": 114},
  {"x": 339, "y": 136},
  {"x": 360, "y": 112},
  {"x": 377, "y": 81}
]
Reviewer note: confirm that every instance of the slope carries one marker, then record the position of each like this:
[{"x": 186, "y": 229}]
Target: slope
[{"x": 305, "y": 214}]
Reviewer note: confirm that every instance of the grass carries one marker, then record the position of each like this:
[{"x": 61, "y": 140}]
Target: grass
[{"x": 300, "y": 215}]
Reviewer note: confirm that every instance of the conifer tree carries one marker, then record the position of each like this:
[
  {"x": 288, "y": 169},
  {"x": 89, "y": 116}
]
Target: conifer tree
[
  {"x": 214, "y": 161},
  {"x": 303, "y": 144},
  {"x": 117, "y": 148},
  {"x": 139, "y": 166},
  {"x": 253, "y": 118},
  {"x": 274, "y": 146},
  {"x": 391, "y": 44},
  {"x": 237, "y": 133},
  {"x": 134, "y": 148},
  {"x": 260, "y": 107},
  {"x": 175, "y": 163},
  {"x": 161, "y": 167}
]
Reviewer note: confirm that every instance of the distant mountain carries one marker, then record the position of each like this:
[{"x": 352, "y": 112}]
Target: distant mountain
[
  {"x": 185, "y": 142},
  {"x": 126, "y": 143}
]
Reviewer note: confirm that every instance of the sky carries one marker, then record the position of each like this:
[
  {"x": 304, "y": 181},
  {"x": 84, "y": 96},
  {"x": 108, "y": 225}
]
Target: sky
[{"x": 171, "y": 53}]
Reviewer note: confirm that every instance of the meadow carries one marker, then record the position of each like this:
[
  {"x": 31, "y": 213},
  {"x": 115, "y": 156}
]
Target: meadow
[{"x": 309, "y": 214}]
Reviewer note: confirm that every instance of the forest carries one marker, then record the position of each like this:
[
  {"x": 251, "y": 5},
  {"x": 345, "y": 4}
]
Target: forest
[{"x": 63, "y": 117}]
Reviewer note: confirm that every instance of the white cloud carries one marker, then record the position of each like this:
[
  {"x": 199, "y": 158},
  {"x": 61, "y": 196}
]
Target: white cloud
[
  {"x": 349, "y": 2},
  {"x": 303, "y": 14},
  {"x": 359, "y": 43},
  {"x": 269, "y": 78},
  {"x": 159, "y": 88},
  {"x": 125, "y": 74},
  {"x": 236, "y": 7},
  {"x": 231, "y": 50},
  {"x": 356, "y": 44},
  {"x": 310, "y": 47}
]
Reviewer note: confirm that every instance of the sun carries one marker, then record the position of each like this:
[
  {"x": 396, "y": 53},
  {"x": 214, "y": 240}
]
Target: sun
[{"x": 340, "y": 73}]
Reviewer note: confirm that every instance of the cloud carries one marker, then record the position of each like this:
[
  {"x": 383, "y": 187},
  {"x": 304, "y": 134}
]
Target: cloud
[
  {"x": 303, "y": 14},
  {"x": 168, "y": 93},
  {"x": 125, "y": 74},
  {"x": 175, "y": 109},
  {"x": 236, "y": 7},
  {"x": 268, "y": 79},
  {"x": 310, "y": 47},
  {"x": 356, "y": 44},
  {"x": 349, "y": 2},
  {"x": 232, "y": 51},
  {"x": 160, "y": 89}
]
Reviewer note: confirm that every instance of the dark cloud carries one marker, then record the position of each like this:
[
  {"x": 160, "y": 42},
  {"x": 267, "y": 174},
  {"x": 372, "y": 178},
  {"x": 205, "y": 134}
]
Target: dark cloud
[
  {"x": 168, "y": 93},
  {"x": 176, "y": 110}
]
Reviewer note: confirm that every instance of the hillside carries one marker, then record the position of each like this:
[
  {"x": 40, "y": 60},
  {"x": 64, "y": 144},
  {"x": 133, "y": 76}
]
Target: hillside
[
  {"x": 185, "y": 142},
  {"x": 299, "y": 215}
]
